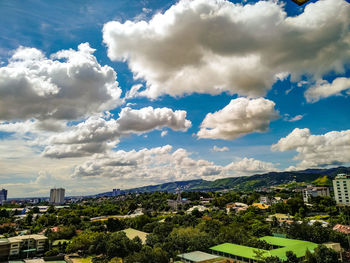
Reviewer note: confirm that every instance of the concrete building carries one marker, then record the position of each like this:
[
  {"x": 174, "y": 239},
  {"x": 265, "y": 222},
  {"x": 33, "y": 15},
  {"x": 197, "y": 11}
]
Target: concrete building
[
  {"x": 276, "y": 200},
  {"x": 199, "y": 257},
  {"x": 57, "y": 196},
  {"x": 341, "y": 185},
  {"x": 174, "y": 204},
  {"x": 265, "y": 200},
  {"x": 4, "y": 248},
  {"x": 236, "y": 207},
  {"x": 13, "y": 247},
  {"x": 3, "y": 195},
  {"x": 313, "y": 191}
]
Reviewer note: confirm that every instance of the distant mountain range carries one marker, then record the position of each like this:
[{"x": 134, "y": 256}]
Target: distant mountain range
[{"x": 315, "y": 176}]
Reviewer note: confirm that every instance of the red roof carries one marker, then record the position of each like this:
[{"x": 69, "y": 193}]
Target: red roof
[{"x": 342, "y": 228}]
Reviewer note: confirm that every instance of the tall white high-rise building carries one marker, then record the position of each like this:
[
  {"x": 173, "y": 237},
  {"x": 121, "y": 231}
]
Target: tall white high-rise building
[
  {"x": 341, "y": 185},
  {"x": 57, "y": 196}
]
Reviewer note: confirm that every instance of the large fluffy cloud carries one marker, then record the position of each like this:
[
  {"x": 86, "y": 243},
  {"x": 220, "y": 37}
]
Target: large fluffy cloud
[
  {"x": 250, "y": 165},
  {"x": 148, "y": 118},
  {"x": 214, "y": 46},
  {"x": 332, "y": 148},
  {"x": 324, "y": 89},
  {"x": 163, "y": 164},
  {"x": 239, "y": 117},
  {"x": 98, "y": 134},
  {"x": 69, "y": 85}
]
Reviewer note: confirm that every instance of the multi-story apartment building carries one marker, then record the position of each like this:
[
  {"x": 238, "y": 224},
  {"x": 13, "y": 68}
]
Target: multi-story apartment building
[
  {"x": 13, "y": 247},
  {"x": 4, "y": 248},
  {"x": 313, "y": 191},
  {"x": 57, "y": 196},
  {"x": 341, "y": 185},
  {"x": 3, "y": 195}
]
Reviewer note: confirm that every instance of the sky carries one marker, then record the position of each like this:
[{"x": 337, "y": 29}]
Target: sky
[{"x": 96, "y": 95}]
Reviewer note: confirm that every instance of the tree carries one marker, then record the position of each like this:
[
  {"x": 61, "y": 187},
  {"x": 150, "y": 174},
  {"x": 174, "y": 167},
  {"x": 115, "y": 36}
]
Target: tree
[
  {"x": 148, "y": 255},
  {"x": 272, "y": 260},
  {"x": 291, "y": 257},
  {"x": 114, "y": 225},
  {"x": 82, "y": 242},
  {"x": 323, "y": 254},
  {"x": 119, "y": 245}
]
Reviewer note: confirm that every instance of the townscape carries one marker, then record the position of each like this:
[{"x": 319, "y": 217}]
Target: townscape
[
  {"x": 296, "y": 222},
  {"x": 174, "y": 131}
]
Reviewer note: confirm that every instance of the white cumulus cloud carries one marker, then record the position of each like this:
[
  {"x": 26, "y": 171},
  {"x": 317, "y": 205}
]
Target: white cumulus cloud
[
  {"x": 215, "y": 46},
  {"x": 287, "y": 117},
  {"x": 241, "y": 116},
  {"x": 220, "y": 149},
  {"x": 332, "y": 148},
  {"x": 324, "y": 89},
  {"x": 163, "y": 164},
  {"x": 97, "y": 134},
  {"x": 250, "y": 165},
  {"x": 69, "y": 85}
]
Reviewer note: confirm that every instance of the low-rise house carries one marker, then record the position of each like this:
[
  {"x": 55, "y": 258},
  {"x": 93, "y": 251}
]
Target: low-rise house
[
  {"x": 276, "y": 200},
  {"x": 236, "y": 207},
  {"x": 205, "y": 201},
  {"x": 322, "y": 222},
  {"x": 265, "y": 200},
  {"x": 199, "y": 257},
  {"x": 337, "y": 248},
  {"x": 200, "y": 208},
  {"x": 261, "y": 206},
  {"x": 342, "y": 228},
  {"x": 282, "y": 218}
]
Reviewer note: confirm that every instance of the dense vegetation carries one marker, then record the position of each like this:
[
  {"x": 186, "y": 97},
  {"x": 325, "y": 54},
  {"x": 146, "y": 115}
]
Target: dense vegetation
[{"x": 172, "y": 234}]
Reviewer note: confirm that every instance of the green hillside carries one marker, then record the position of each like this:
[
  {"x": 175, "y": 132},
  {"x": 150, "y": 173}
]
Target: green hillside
[{"x": 309, "y": 176}]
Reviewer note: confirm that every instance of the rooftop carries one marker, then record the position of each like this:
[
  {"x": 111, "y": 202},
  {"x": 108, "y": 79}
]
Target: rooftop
[
  {"x": 23, "y": 237},
  {"x": 197, "y": 256},
  {"x": 132, "y": 233},
  {"x": 342, "y": 228},
  {"x": 298, "y": 247},
  {"x": 261, "y": 206},
  {"x": 342, "y": 176}
]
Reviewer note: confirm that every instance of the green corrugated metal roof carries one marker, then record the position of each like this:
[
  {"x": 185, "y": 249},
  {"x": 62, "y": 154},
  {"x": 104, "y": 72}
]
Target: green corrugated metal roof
[
  {"x": 298, "y": 247},
  {"x": 197, "y": 256},
  {"x": 238, "y": 250}
]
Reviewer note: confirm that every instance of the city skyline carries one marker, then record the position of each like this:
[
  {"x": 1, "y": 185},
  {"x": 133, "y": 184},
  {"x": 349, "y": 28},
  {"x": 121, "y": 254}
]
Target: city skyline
[{"x": 94, "y": 94}]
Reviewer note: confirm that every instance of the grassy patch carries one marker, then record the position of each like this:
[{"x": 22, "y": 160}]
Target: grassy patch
[
  {"x": 82, "y": 260},
  {"x": 322, "y": 181}
]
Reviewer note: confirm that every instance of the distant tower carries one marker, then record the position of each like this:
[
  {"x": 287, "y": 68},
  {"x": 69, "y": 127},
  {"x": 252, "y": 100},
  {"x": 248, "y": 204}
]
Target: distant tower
[
  {"x": 3, "y": 195},
  {"x": 179, "y": 199},
  {"x": 57, "y": 196}
]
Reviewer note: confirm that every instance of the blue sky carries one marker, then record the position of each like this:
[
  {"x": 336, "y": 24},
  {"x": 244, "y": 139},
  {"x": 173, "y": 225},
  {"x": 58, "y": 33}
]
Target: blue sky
[{"x": 225, "y": 89}]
